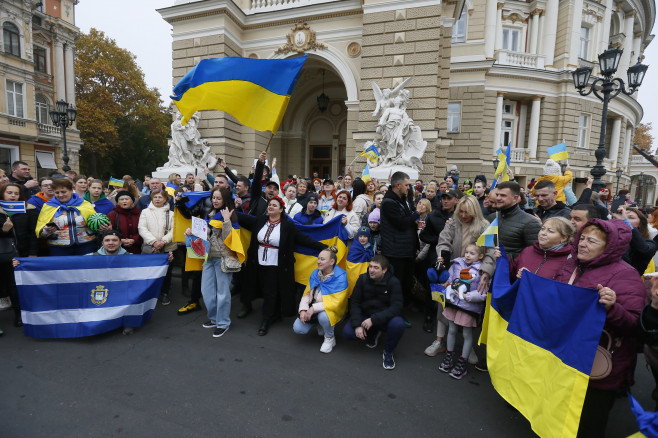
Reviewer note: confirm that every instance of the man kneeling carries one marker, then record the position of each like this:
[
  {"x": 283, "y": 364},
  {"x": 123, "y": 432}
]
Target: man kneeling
[{"x": 376, "y": 306}]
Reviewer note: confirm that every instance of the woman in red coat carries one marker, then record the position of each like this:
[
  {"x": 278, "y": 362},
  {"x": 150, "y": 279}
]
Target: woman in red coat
[
  {"x": 547, "y": 255},
  {"x": 596, "y": 263},
  {"x": 125, "y": 219}
]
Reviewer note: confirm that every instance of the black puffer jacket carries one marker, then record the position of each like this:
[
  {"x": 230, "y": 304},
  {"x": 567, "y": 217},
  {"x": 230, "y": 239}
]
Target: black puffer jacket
[
  {"x": 560, "y": 209},
  {"x": 380, "y": 301},
  {"x": 398, "y": 227},
  {"x": 516, "y": 229}
]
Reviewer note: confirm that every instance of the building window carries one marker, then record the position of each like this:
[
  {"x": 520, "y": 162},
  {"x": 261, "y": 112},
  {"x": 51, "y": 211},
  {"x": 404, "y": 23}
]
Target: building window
[
  {"x": 15, "y": 99},
  {"x": 40, "y": 59},
  {"x": 506, "y": 132},
  {"x": 454, "y": 116},
  {"x": 12, "y": 38},
  {"x": 45, "y": 163},
  {"x": 511, "y": 39},
  {"x": 41, "y": 104},
  {"x": 583, "y": 130},
  {"x": 459, "y": 29},
  {"x": 8, "y": 154},
  {"x": 584, "y": 42}
]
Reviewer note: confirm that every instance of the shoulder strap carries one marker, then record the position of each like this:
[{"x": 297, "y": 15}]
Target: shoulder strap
[{"x": 573, "y": 275}]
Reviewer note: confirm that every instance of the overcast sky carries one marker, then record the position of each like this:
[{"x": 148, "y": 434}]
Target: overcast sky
[{"x": 135, "y": 25}]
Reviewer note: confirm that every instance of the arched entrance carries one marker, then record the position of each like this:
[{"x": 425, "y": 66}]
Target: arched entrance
[{"x": 643, "y": 190}]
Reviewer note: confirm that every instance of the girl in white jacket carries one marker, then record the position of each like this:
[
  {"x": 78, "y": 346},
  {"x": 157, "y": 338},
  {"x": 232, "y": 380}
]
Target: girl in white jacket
[{"x": 343, "y": 206}]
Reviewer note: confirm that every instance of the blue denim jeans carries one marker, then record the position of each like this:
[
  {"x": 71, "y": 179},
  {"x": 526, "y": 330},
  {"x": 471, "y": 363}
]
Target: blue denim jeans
[
  {"x": 323, "y": 319},
  {"x": 216, "y": 293}
]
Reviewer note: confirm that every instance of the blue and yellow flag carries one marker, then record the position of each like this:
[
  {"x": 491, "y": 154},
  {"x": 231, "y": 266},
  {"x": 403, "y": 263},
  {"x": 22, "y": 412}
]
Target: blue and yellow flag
[
  {"x": 541, "y": 338},
  {"x": 558, "y": 152},
  {"x": 371, "y": 152},
  {"x": 334, "y": 293},
  {"x": 490, "y": 235},
  {"x": 331, "y": 233},
  {"x": 254, "y": 91},
  {"x": 115, "y": 182},
  {"x": 358, "y": 260},
  {"x": 366, "y": 174},
  {"x": 504, "y": 163}
]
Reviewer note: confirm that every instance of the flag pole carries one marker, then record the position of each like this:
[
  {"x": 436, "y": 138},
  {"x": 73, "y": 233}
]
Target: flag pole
[
  {"x": 496, "y": 241},
  {"x": 268, "y": 143}
]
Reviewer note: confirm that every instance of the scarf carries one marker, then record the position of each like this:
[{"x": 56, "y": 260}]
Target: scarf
[
  {"x": 71, "y": 205},
  {"x": 557, "y": 247}
]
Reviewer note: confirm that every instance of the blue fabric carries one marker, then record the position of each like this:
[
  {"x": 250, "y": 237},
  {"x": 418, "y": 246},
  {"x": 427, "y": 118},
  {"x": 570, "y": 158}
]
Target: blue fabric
[
  {"x": 73, "y": 204},
  {"x": 647, "y": 421}
]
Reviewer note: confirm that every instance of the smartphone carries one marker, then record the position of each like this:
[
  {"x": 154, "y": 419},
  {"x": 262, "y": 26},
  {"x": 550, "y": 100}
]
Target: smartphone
[{"x": 52, "y": 224}]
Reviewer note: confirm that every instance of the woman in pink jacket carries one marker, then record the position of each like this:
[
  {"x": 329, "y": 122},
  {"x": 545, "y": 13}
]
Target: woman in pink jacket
[{"x": 596, "y": 263}]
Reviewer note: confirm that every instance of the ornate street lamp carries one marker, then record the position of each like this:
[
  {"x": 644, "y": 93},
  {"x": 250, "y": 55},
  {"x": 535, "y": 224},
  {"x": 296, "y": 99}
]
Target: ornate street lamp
[
  {"x": 640, "y": 185},
  {"x": 609, "y": 88},
  {"x": 63, "y": 116},
  {"x": 323, "y": 99},
  {"x": 619, "y": 173},
  {"x": 496, "y": 161}
]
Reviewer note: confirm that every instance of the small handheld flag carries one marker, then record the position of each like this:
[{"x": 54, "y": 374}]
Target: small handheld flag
[
  {"x": 254, "y": 91},
  {"x": 505, "y": 160},
  {"x": 366, "y": 174},
  {"x": 558, "y": 152},
  {"x": 371, "y": 153},
  {"x": 116, "y": 182},
  {"x": 12, "y": 207},
  {"x": 490, "y": 235}
]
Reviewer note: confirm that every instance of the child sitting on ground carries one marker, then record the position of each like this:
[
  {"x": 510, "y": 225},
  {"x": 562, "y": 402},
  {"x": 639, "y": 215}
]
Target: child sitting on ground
[{"x": 463, "y": 308}]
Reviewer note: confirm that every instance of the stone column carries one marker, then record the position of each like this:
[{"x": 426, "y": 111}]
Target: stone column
[
  {"x": 614, "y": 141},
  {"x": 533, "y": 133},
  {"x": 498, "y": 122},
  {"x": 637, "y": 48},
  {"x": 549, "y": 31},
  {"x": 499, "y": 26},
  {"x": 605, "y": 29},
  {"x": 540, "y": 31},
  {"x": 624, "y": 63},
  {"x": 628, "y": 140},
  {"x": 60, "y": 78},
  {"x": 576, "y": 24},
  {"x": 70, "y": 73},
  {"x": 523, "y": 116},
  {"x": 490, "y": 28},
  {"x": 534, "y": 27}
]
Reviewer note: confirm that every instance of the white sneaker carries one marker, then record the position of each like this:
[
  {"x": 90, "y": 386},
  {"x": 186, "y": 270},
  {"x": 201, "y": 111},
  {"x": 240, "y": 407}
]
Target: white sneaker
[
  {"x": 434, "y": 349},
  {"x": 328, "y": 345},
  {"x": 5, "y": 303},
  {"x": 320, "y": 330},
  {"x": 472, "y": 357}
]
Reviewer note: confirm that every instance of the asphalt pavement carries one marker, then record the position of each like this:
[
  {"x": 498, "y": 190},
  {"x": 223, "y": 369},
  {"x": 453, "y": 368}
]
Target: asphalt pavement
[{"x": 173, "y": 379}]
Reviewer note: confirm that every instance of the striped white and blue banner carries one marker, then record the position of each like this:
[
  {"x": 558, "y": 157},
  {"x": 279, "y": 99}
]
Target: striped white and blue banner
[
  {"x": 13, "y": 206},
  {"x": 70, "y": 297}
]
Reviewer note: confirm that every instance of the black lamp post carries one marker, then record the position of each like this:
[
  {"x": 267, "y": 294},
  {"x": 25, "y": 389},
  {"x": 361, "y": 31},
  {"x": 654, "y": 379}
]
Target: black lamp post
[
  {"x": 63, "y": 116},
  {"x": 640, "y": 185},
  {"x": 496, "y": 161},
  {"x": 609, "y": 89},
  {"x": 323, "y": 99},
  {"x": 619, "y": 173}
]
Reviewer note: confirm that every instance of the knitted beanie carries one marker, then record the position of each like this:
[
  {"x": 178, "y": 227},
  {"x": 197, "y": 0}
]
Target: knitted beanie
[
  {"x": 552, "y": 168},
  {"x": 374, "y": 216}
]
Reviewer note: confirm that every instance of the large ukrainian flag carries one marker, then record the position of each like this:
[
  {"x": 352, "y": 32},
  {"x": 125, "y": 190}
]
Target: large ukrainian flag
[
  {"x": 541, "y": 338},
  {"x": 306, "y": 259},
  {"x": 254, "y": 91},
  {"x": 358, "y": 260},
  {"x": 334, "y": 293}
]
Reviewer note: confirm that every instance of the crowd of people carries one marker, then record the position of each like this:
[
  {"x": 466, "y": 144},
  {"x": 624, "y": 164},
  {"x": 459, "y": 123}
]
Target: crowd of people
[{"x": 411, "y": 234}]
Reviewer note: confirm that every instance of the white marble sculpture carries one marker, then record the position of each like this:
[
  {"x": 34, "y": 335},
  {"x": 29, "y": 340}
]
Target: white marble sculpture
[
  {"x": 187, "y": 150},
  {"x": 401, "y": 143}
]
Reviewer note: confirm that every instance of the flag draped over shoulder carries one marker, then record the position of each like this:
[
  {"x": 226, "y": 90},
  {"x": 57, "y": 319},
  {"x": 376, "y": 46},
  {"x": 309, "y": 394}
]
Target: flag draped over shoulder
[
  {"x": 331, "y": 233},
  {"x": 334, "y": 293},
  {"x": 558, "y": 152},
  {"x": 541, "y": 338},
  {"x": 254, "y": 91},
  {"x": 54, "y": 208},
  {"x": 358, "y": 260},
  {"x": 70, "y": 297}
]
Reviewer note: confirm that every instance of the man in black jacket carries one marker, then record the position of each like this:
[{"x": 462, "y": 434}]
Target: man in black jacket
[
  {"x": 375, "y": 307},
  {"x": 259, "y": 196},
  {"x": 399, "y": 231},
  {"x": 548, "y": 207}
]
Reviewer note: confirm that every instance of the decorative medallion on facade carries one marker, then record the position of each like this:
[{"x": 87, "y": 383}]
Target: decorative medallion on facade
[
  {"x": 354, "y": 49},
  {"x": 300, "y": 40}
]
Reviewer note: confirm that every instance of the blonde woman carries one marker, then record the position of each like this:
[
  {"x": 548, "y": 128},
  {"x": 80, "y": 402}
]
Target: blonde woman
[{"x": 465, "y": 228}]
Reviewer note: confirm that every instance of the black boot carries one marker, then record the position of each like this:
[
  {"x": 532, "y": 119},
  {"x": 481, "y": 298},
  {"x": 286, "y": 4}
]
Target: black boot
[
  {"x": 264, "y": 328},
  {"x": 18, "y": 322}
]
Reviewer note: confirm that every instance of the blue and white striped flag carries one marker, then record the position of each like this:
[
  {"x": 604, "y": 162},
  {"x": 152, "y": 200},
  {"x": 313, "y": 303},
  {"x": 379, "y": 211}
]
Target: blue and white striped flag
[
  {"x": 70, "y": 297},
  {"x": 13, "y": 206}
]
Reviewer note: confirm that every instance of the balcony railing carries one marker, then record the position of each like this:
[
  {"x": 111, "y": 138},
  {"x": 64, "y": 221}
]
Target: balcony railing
[
  {"x": 277, "y": 5},
  {"x": 517, "y": 155},
  {"x": 639, "y": 159},
  {"x": 520, "y": 59},
  {"x": 48, "y": 129}
]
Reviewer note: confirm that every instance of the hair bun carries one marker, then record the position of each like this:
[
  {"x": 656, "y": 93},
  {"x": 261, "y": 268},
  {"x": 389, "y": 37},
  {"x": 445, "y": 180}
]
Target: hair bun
[{"x": 333, "y": 248}]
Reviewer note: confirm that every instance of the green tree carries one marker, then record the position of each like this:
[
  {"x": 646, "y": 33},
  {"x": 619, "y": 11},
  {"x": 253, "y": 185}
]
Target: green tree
[{"x": 122, "y": 122}]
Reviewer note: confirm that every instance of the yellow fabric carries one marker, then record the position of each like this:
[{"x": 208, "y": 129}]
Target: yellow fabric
[
  {"x": 181, "y": 223},
  {"x": 651, "y": 268},
  {"x": 637, "y": 435},
  {"x": 533, "y": 379},
  {"x": 305, "y": 264},
  {"x": 48, "y": 213},
  {"x": 560, "y": 183},
  {"x": 354, "y": 270},
  {"x": 171, "y": 191}
]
